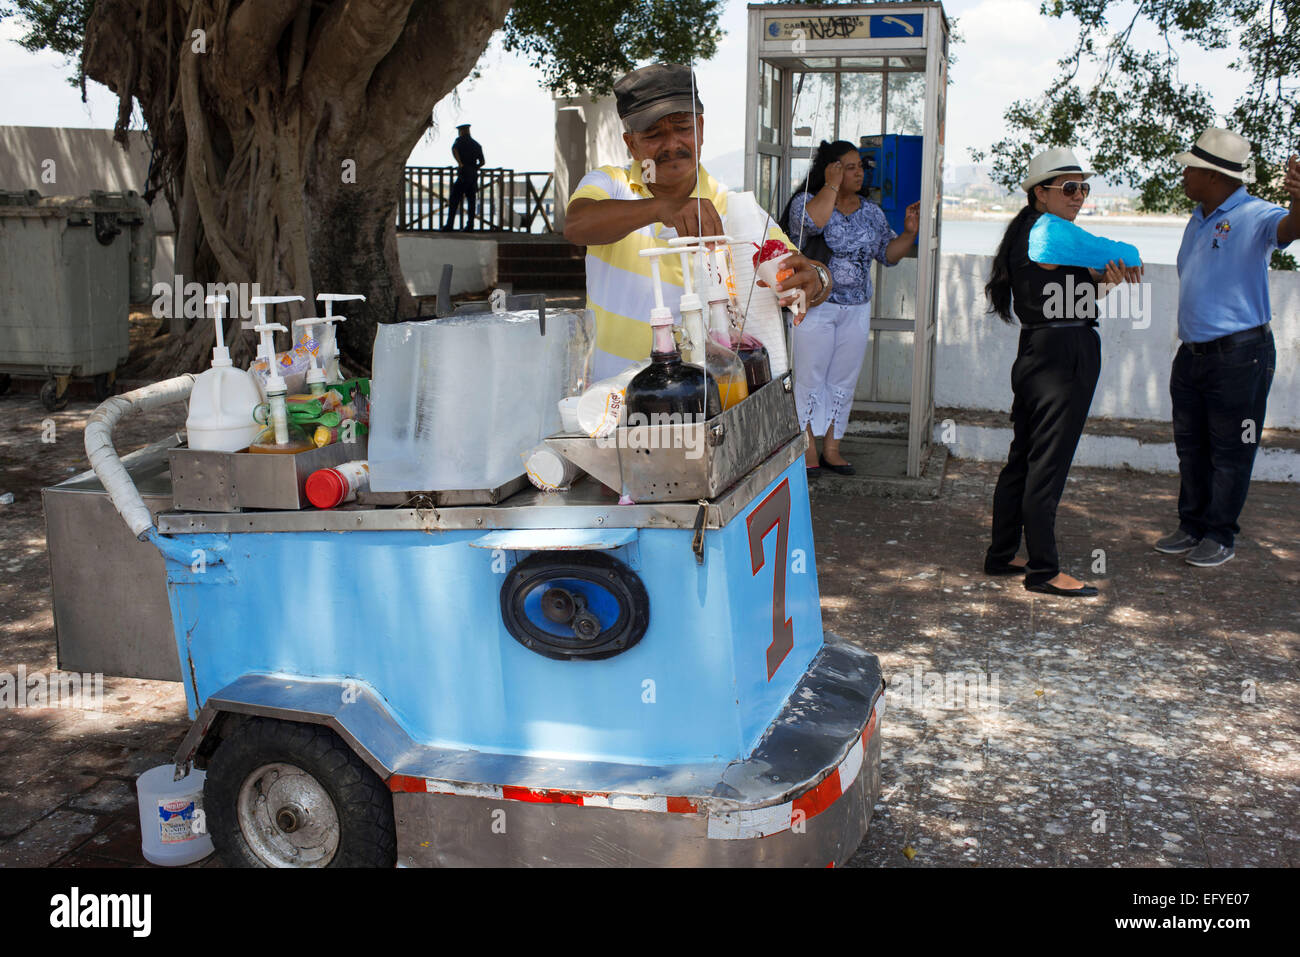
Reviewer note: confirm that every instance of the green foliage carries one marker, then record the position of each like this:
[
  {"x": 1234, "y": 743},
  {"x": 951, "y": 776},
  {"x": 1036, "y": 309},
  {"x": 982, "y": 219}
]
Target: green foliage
[
  {"x": 53, "y": 25},
  {"x": 1136, "y": 111},
  {"x": 585, "y": 45}
]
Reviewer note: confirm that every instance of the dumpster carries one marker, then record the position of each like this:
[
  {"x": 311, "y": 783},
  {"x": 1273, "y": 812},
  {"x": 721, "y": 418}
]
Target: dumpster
[
  {"x": 517, "y": 677},
  {"x": 69, "y": 269}
]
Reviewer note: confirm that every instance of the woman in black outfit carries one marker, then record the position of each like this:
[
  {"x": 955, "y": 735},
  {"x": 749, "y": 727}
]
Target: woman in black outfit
[{"x": 1053, "y": 377}]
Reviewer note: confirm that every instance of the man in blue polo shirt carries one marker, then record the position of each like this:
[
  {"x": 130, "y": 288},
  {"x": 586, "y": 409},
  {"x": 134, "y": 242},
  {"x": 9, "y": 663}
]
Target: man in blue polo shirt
[{"x": 1224, "y": 367}]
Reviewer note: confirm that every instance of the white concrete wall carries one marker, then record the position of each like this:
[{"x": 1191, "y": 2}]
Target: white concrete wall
[
  {"x": 78, "y": 161},
  {"x": 974, "y": 352},
  {"x": 473, "y": 262},
  {"x": 588, "y": 133}
]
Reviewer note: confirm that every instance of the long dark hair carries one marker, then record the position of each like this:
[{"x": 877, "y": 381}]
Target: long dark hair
[
  {"x": 826, "y": 154},
  {"x": 998, "y": 289}
]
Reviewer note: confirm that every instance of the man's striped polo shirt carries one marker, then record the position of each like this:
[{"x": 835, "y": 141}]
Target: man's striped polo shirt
[{"x": 619, "y": 289}]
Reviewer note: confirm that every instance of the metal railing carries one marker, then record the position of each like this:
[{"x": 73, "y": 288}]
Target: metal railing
[{"x": 506, "y": 201}]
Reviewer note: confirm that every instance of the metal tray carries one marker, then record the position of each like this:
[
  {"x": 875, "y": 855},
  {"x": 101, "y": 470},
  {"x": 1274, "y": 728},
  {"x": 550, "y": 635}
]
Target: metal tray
[
  {"x": 689, "y": 462},
  {"x": 207, "y": 481}
]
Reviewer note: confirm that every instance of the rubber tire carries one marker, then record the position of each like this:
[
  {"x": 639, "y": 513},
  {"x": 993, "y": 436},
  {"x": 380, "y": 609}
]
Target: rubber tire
[
  {"x": 6, "y": 380},
  {"x": 367, "y": 833},
  {"x": 50, "y": 397}
]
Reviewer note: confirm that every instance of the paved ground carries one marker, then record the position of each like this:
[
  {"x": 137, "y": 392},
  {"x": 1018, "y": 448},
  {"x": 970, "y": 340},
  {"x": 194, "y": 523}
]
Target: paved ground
[{"x": 1115, "y": 732}]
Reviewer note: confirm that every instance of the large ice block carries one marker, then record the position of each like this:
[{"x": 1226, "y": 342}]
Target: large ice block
[{"x": 456, "y": 401}]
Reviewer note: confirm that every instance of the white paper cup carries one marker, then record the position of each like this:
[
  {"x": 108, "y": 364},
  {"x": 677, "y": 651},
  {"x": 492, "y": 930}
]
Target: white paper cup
[{"x": 569, "y": 413}]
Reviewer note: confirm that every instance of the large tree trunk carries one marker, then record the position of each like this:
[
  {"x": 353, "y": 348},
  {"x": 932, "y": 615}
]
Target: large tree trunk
[{"x": 286, "y": 125}]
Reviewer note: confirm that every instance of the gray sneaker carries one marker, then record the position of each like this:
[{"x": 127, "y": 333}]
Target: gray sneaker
[
  {"x": 1208, "y": 554},
  {"x": 1177, "y": 543}
]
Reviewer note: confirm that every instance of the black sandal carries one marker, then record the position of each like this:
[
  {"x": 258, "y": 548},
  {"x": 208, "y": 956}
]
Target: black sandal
[{"x": 838, "y": 469}]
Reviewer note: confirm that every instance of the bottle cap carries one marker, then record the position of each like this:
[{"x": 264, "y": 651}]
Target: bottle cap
[
  {"x": 326, "y": 488},
  {"x": 661, "y": 316}
]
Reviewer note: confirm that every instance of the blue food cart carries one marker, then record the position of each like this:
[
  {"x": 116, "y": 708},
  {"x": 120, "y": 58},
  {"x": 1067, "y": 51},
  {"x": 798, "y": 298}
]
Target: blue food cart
[{"x": 512, "y": 677}]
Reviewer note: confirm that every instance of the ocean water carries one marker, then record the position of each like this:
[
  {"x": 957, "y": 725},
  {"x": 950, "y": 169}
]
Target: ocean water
[{"x": 1157, "y": 244}]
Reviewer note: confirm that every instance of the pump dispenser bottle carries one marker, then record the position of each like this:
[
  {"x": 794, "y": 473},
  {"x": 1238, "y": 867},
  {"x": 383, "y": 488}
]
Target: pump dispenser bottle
[
  {"x": 280, "y": 435},
  {"x": 751, "y": 352},
  {"x": 329, "y": 349},
  {"x": 668, "y": 385},
  {"x": 222, "y": 401}
]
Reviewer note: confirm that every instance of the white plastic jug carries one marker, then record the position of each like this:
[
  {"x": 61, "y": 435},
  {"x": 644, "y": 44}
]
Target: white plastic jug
[
  {"x": 221, "y": 410},
  {"x": 223, "y": 399},
  {"x": 173, "y": 828}
]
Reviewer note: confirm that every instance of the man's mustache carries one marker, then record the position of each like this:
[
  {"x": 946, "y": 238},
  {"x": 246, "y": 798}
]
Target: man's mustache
[{"x": 668, "y": 155}]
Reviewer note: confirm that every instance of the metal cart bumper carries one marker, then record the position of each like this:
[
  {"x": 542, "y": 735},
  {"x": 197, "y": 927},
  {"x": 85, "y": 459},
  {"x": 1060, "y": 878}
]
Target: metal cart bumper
[{"x": 803, "y": 797}]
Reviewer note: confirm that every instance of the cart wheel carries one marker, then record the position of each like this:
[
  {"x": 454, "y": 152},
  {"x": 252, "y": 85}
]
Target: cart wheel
[
  {"x": 50, "y": 397},
  {"x": 5, "y": 381},
  {"x": 284, "y": 794},
  {"x": 103, "y": 385}
]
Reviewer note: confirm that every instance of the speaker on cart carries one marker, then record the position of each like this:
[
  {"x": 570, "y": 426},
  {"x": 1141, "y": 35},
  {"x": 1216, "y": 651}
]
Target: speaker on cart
[{"x": 580, "y": 604}]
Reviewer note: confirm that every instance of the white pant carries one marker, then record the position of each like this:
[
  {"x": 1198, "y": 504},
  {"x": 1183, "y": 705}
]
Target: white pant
[{"x": 829, "y": 346}]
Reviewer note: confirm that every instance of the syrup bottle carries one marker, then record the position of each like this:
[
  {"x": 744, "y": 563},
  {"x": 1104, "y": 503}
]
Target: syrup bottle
[{"x": 668, "y": 385}]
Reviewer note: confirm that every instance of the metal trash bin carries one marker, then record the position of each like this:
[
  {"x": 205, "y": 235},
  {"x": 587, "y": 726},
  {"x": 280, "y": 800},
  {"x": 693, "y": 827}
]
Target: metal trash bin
[{"x": 66, "y": 270}]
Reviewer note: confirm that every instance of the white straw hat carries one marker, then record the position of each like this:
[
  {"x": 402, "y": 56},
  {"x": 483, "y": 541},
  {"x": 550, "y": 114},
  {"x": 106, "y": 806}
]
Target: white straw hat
[
  {"x": 1221, "y": 150},
  {"x": 1050, "y": 164}
]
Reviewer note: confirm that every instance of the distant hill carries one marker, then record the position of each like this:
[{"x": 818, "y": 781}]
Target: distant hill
[{"x": 963, "y": 180}]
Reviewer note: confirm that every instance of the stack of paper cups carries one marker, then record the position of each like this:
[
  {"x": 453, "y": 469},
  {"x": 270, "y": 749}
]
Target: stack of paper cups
[
  {"x": 748, "y": 223},
  {"x": 600, "y": 408},
  {"x": 549, "y": 470}
]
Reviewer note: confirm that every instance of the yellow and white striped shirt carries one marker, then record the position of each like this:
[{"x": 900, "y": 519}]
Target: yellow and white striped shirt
[{"x": 619, "y": 289}]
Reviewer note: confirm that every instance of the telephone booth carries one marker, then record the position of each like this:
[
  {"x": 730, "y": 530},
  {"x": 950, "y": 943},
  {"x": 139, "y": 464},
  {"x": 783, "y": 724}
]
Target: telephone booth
[{"x": 875, "y": 75}]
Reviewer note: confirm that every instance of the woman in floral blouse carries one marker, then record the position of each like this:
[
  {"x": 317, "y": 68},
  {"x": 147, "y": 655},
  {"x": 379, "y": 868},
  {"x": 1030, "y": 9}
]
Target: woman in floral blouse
[{"x": 831, "y": 341}]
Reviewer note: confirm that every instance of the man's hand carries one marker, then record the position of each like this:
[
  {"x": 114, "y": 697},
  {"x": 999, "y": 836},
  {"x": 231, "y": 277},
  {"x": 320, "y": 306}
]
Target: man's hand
[
  {"x": 690, "y": 218},
  {"x": 805, "y": 277},
  {"x": 1288, "y": 229}
]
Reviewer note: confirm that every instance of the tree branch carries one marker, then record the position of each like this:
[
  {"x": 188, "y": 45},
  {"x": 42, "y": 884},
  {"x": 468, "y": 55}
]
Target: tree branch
[
  {"x": 252, "y": 34},
  {"x": 438, "y": 48},
  {"x": 350, "y": 40}
]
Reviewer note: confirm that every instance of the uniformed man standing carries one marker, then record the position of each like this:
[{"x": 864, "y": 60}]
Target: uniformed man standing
[
  {"x": 1224, "y": 367},
  {"x": 469, "y": 157}
]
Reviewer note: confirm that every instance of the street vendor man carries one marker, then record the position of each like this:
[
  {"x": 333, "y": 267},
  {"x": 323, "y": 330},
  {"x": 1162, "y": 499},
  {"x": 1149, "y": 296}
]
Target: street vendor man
[
  {"x": 663, "y": 193},
  {"x": 1223, "y": 370}
]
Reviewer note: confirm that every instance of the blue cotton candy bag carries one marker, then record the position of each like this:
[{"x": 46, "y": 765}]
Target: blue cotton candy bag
[{"x": 1059, "y": 241}]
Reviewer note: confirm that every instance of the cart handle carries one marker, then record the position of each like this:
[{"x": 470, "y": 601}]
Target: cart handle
[{"x": 103, "y": 456}]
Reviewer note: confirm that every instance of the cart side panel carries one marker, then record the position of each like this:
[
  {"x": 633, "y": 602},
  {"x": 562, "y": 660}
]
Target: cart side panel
[
  {"x": 416, "y": 616},
  {"x": 773, "y": 573}
]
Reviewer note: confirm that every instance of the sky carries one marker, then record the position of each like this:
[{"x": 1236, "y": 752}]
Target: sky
[{"x": 1009, "y": 52}]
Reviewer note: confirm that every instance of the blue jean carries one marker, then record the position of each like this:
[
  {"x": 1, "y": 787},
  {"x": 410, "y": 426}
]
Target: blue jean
[{"x": 1219, "y": 403}]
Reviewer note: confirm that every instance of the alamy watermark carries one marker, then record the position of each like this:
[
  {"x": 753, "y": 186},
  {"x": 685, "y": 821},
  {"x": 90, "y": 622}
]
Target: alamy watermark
[
  {"x": 1069, "y": 300},
  {"x": 944, "y": 690},
  {"x": 61, "y": 689},
  {"x": 657, "y": 430},
  {"x": 185, "y": 300}
]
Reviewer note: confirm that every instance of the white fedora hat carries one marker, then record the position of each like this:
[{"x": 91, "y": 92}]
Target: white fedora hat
[
  {"x": 1223, "y": 151},
  {"x": 1050, "y": 164}
]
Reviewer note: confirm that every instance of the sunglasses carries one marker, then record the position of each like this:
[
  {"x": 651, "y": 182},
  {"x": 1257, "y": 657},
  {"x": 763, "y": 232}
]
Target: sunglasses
[{"x": 1072, "y": 187}]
